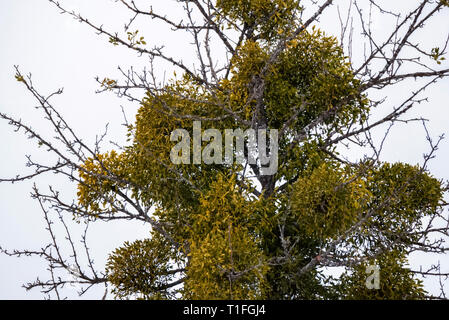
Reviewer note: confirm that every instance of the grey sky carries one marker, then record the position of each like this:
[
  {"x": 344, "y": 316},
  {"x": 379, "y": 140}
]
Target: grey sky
[{"x": 60, "y": 52}]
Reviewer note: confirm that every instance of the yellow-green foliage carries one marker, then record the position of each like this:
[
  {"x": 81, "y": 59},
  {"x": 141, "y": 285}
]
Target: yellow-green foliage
[
  {"x": 312, "y": 75},
  {"x": 269, "y": 18},
  {"x": 97, "y": 192},
  {"x": 142, "y": 268},
  {"x": 328, "y": 201},
  {"x": 405, "y": 192},
  {"x": 402, "y": 195},
  {"x": 226, "y": 257}
]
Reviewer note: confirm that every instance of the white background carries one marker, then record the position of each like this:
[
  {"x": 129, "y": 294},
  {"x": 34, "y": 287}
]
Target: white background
[{"x": 60, "y": 52}]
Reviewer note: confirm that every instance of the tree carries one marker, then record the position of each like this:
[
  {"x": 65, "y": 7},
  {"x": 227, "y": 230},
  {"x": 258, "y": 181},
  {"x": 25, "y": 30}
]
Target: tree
[{"x": 229, "y": 230}]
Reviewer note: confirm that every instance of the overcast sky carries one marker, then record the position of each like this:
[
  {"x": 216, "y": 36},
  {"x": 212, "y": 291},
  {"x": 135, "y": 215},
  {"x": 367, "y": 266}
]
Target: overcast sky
[{"x": 60, "y": 52}]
